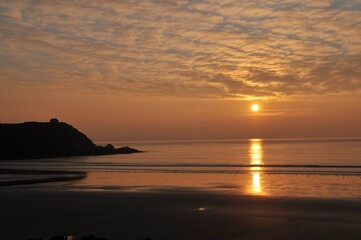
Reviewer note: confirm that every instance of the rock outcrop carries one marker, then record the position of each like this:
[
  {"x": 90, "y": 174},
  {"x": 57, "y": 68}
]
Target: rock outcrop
[{"x": 31, "y": 140}]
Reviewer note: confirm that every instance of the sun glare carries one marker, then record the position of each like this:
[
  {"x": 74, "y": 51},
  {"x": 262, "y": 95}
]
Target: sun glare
[{"x": 255, "y": 107}]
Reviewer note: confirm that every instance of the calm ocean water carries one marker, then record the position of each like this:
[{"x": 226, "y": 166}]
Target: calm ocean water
[
  {"x": 315, "y": 167},
  {"x": 236, "y": 155}
]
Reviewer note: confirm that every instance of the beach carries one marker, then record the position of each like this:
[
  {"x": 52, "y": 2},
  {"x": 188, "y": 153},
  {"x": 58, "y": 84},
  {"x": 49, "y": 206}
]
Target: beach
[
  {"x": 203, "y": 190},
  {"x": 166, "y": 215},
  {"x": 34, "y": 213}
]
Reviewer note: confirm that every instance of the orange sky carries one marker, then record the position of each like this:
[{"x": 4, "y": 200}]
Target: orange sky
[{"x": 151, "y": 70}]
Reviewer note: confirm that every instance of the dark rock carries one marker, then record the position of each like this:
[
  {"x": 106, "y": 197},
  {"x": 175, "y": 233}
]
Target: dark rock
[
  {"x": 32, "y": 140},
  {"x": 57, "y": 238},
  {"x": 91, "y": 237},
  {"x": 109, "y": 147}
]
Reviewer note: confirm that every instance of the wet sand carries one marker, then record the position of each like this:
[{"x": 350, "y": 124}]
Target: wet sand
[
  {"x": 28, "y": 212},
  {"x": 14, "y": 177}
]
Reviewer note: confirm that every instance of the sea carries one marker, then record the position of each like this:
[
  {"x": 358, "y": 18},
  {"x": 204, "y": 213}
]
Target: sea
[{"x": 316, "y": 168}]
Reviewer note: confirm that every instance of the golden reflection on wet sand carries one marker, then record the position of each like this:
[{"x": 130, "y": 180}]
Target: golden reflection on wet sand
[
  {"x": 256, "y": 158},
  {"x": 255, "y": 182}
]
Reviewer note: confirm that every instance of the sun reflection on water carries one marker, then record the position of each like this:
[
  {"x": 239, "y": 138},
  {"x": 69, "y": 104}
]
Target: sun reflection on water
[{"x": 256, "y": 158}]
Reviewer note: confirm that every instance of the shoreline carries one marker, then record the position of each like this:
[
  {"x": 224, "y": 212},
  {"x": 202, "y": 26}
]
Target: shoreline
[
  {"x": 48, "y": 176},
  {"x": 299, "y": 185},
  {"x": 45, "y": 210}
]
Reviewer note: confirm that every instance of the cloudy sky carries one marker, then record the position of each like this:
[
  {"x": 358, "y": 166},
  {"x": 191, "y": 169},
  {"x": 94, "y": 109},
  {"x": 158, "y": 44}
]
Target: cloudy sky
[{"x": 178, "y": 69}]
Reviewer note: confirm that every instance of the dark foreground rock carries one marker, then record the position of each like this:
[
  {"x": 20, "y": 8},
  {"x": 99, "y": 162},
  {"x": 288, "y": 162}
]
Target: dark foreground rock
[
  {"x": 61, "y": 237},
  {"x": 31, "y": 140}
]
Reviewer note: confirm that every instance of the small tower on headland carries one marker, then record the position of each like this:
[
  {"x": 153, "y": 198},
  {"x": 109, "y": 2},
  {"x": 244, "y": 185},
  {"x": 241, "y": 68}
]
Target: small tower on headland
[{"x": 54, "y": 121}]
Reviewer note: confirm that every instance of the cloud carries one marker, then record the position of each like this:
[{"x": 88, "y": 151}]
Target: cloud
[{"x": 218, "y": 49}]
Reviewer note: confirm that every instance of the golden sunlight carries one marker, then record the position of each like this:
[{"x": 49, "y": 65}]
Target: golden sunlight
[
  {"x": 255, "y": 158},
  {"x": 256, "y": 183},
  {"x": 255, "y": 107}
]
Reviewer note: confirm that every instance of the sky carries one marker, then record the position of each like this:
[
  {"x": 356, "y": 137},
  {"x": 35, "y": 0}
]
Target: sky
[{"x": 185, "y": 69}]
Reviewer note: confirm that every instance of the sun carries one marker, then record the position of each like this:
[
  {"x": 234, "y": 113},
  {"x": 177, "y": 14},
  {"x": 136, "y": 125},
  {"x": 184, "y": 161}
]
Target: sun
[{"x": 255, "y": 107}]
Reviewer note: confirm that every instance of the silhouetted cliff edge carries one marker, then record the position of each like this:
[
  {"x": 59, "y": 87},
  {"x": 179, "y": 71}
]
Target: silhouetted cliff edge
[{"x": 32, "y": 140}]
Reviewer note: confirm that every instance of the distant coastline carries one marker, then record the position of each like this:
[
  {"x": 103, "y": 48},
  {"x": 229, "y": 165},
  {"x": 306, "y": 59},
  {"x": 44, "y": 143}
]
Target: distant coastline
[{"x": 33, "y": 140}]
